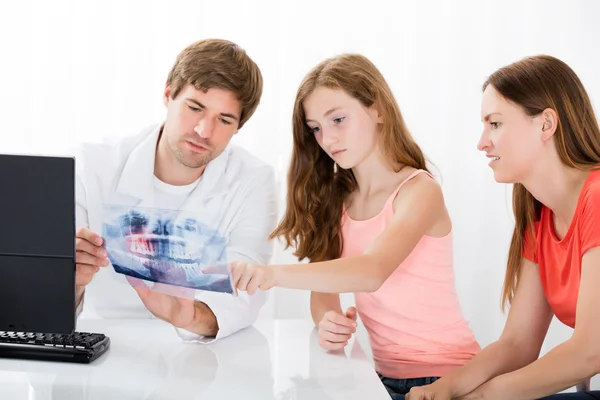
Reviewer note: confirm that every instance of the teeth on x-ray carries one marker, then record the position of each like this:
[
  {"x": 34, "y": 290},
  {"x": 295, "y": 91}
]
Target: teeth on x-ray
[
  {"x": 158, "y": 247},
  {"x": 165, "y": 246}
]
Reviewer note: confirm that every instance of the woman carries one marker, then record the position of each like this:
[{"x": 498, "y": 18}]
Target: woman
[{"x": 541, "y": 134}]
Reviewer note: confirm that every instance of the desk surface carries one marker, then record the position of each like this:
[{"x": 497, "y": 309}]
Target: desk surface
[{"x": 278, "y": 359}]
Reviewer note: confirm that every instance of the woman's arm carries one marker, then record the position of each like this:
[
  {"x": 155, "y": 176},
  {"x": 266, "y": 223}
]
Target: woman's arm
[
  {"x": 519, "y": 344},
  {"x": 568, "y": 363}
]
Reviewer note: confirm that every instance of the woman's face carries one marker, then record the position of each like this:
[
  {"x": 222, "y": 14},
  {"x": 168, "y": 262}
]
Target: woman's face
[{"x": 511, "y": 139}]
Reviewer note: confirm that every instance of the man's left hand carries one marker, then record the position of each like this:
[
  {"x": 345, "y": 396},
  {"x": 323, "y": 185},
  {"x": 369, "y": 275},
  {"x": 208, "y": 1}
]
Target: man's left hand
[{"x": 178, "y": 311}]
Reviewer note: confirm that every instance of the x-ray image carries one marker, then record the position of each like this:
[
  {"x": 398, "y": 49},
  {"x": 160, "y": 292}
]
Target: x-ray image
[{"x": 166, "y": 246}]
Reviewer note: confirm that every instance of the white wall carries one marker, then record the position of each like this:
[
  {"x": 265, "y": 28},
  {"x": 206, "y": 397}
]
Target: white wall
[{"x": 75, "y": 71}]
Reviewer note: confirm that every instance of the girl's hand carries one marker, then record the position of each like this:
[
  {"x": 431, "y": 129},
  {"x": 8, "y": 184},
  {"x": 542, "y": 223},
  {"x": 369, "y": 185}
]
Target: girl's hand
[{"x": 251, "y": 277}]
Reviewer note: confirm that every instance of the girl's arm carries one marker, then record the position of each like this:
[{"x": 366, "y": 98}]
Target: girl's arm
[
  {"x": 320, "y": 303},
  {"x": 418, "y": 207},
  {"x": 335, "y": 328}
]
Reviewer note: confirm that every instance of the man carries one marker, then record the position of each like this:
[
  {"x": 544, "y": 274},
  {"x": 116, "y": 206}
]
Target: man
[{"x": 186, "y": 164}]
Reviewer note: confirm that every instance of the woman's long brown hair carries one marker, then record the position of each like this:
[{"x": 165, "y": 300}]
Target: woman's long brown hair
[
  {"x": 315, "y": 190},
  {"x": 536, "y": 84}
]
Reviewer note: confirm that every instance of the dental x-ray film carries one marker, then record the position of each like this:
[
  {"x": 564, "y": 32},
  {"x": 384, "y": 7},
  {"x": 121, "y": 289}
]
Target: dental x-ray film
[{"x": 169, "y": 250}]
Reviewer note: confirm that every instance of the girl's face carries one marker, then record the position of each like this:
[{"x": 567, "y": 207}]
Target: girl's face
[
  {"x": 344, "y": 128},
  {"x": 512, "y": 140}
]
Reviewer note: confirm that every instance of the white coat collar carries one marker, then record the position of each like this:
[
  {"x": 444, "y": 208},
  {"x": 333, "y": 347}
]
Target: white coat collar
[{"x": 137, "y": 177}]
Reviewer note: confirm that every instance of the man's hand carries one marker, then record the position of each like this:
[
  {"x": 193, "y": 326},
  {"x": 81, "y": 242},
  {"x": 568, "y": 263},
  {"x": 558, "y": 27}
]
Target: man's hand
[
  {"x": 89, "y": 257},
  {"x": 180, "y": 312},
  {"x": 335, "y": 329}
]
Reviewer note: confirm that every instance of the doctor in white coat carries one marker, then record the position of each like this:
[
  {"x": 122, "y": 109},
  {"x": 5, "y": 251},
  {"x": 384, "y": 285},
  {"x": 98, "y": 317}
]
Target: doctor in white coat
[{"x": 186, "y": 163}]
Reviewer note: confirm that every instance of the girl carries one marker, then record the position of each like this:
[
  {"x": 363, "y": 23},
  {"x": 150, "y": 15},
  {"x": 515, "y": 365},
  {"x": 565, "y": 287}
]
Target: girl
[
  {"x": 366, "y": 212},
  {"x": 541, "y": 134}
]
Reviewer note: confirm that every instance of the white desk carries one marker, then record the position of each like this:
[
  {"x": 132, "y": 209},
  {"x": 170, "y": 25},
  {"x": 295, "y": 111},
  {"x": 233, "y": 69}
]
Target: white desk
[{"x": 278, "y": 359}]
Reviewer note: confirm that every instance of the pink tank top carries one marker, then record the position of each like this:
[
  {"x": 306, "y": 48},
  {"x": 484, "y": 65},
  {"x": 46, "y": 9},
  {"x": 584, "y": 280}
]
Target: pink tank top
[{"x": 414, "y": 320}]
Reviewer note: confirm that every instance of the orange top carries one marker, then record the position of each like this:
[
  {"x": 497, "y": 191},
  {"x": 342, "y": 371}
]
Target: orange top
[
  {"x": 559, "y": 261},
  {"x": 414, "y": 320}
]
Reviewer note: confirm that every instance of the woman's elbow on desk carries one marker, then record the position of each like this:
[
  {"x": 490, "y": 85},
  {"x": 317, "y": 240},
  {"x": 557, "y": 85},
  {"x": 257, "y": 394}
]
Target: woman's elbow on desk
[{"x": 589, "y": 353}]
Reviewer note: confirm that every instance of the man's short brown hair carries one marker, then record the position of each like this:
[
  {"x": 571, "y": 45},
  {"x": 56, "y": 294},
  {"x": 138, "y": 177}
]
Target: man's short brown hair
[{"x": 218, "y": 63}]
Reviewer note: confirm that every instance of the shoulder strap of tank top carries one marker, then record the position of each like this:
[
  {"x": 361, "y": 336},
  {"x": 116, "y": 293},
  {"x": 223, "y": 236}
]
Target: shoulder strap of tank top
[{"x": 411, "y": 176}]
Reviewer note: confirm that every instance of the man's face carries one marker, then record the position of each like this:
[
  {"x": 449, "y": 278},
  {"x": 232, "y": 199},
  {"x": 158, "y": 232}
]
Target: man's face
[{"x": 199, "y": 125}]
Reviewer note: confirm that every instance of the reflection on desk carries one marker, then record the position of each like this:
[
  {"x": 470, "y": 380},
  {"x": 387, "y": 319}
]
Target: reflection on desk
[{"x": 277, "y": 360}]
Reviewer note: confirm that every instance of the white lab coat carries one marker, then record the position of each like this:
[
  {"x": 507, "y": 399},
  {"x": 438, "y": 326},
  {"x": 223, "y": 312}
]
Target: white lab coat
[{"x": 236, "y": 195}]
